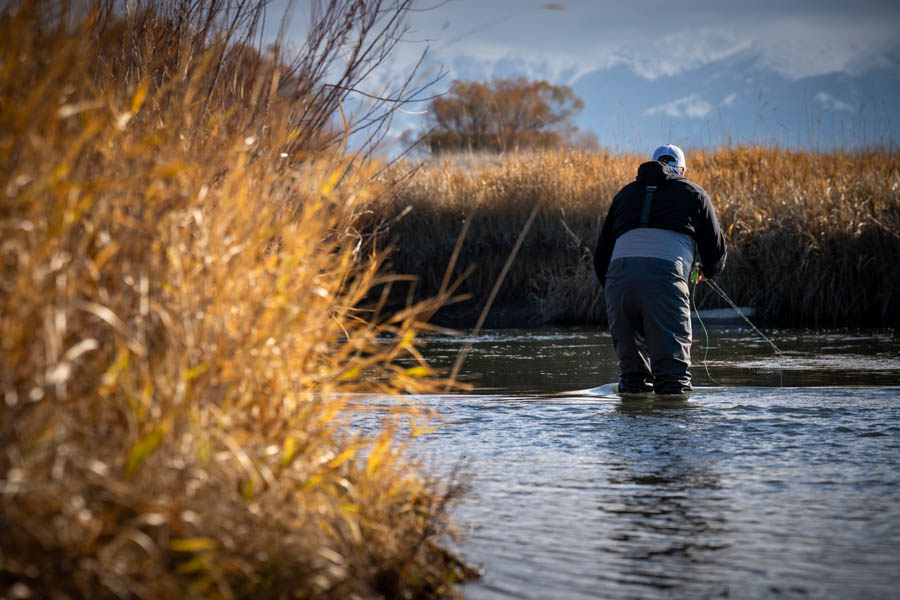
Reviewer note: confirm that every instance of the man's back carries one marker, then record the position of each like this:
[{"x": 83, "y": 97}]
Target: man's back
[{"x": 677, "y": 205}]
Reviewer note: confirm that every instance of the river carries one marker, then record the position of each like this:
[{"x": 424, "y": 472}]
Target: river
[{"x": 782, "y": 482}]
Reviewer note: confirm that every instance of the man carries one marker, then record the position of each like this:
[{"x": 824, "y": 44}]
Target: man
[{"x": 644, "y": 258}]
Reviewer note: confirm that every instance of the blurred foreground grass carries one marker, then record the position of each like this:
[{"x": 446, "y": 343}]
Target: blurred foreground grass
[{"x": 185, "y": 335}]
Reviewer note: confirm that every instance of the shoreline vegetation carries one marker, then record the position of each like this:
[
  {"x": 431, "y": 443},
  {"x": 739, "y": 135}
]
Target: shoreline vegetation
[
  {"x": 814, "y": 238},
  {"x": 188, "y": 357}
]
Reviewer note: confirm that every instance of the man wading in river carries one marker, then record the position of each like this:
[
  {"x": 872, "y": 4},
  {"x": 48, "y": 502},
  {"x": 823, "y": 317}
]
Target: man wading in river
[{"x": 644, "y": 258}]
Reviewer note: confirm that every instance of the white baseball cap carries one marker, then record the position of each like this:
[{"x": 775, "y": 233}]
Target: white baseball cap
[{"x": 673, "y": 151}]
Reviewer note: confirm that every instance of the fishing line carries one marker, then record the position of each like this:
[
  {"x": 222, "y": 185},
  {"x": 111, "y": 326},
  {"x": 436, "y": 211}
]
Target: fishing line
[
  {"x": 725, "y": 297},
  {"x": 705, "y": 332},
  {"x": 695, "y": 279}
]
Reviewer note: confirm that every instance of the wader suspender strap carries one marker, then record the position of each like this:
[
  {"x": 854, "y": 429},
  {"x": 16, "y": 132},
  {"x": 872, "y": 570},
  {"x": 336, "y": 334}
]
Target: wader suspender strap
[{"x": 648, "y": 200}]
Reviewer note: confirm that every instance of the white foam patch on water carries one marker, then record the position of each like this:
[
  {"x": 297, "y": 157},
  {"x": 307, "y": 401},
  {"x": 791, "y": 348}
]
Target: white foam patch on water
[
  {"x": 501, "y": 336},
  {"x": 837, "y": 362},
  {"x": 610, "y": 390}
]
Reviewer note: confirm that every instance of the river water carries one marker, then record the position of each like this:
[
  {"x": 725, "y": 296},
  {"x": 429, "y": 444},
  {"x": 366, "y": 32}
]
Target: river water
[{"x": 782, "y": 482}]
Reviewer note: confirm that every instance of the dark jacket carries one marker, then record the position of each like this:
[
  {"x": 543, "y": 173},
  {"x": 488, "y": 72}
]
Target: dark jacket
[{"x": 678, "y": 205}]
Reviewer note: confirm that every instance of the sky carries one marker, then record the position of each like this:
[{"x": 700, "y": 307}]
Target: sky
[{"x": 813, "y": 74}]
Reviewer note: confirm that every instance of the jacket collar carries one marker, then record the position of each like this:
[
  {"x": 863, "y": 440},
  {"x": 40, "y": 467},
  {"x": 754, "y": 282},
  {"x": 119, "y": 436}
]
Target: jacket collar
[{"x": 656, "y": 173}]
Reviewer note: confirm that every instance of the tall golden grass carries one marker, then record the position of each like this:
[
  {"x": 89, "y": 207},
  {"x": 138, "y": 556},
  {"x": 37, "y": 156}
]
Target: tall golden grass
[
  {"x": 185, "y": 329},
  {"x": 814, "y": 239}
]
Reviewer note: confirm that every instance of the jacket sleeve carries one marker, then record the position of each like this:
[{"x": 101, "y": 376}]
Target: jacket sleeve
[
  {"x": 710, "y": 241},
  {"x": 605, "y": 245}
]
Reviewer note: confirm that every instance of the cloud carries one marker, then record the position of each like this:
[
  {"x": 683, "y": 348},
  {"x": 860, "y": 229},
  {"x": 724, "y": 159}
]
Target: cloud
[
  {"x": 829, "y": 102},
  {"x": 474, "y": 39},
  {"x": 813, "y": 45},
  {"x": 679, "y": 52},
  {"x": 729, "y": 100},
  {"x": 692, "y": 107},
  {"x": 803, "y": 40},
  {"x": 565, "y": 57}
]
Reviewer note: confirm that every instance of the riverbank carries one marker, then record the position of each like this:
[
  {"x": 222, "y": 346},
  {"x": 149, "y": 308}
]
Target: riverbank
[
  {"x": 181, "y": 333},
  {"x": 814, "y": 239}
]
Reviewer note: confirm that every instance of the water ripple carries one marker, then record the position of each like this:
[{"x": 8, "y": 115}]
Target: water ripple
[{"x": 745, "y": 491}]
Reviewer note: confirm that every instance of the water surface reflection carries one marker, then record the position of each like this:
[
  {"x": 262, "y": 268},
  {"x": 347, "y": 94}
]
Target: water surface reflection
[
  {"x": 741, "y": 491},
  {"x": 667, "y": 519}
]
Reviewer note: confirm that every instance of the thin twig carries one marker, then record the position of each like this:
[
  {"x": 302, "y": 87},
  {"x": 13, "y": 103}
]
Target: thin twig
[{"x": 460, "y": 359}]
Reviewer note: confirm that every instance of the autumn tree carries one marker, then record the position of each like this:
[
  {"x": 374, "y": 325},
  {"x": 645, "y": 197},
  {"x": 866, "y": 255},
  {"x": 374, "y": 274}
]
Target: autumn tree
[{"x": 503, "y": 115}]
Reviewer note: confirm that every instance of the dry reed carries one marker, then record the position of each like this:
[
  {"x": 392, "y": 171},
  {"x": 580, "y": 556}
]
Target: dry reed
[
  {"x": 185, "y": 332},
  {"x": 813, "y": 238}
]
